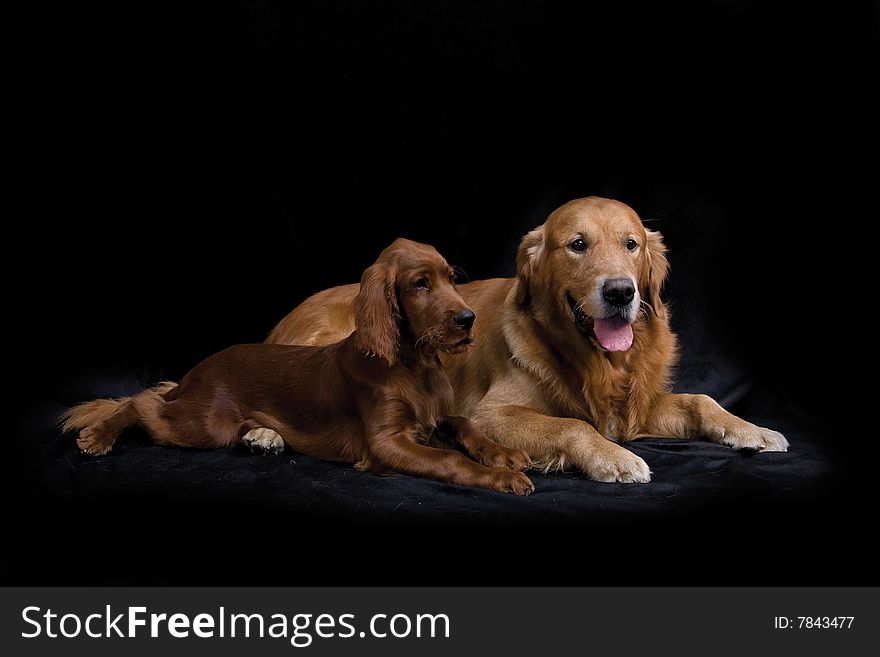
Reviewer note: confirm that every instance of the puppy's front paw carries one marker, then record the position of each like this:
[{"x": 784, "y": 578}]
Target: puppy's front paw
[
  {"x": 745, "y": 435},
  {"x": 517, "y": 459},
  {"x": 263, "y": 441},
  {"x": 498, "y": 456},
  {"x": 505, "y": 480}
]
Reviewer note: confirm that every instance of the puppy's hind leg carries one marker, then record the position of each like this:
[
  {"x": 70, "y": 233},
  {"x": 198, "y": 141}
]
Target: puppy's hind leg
[
  {"x": 100, "y": 421},
  {"x": 98, "y": 437}
]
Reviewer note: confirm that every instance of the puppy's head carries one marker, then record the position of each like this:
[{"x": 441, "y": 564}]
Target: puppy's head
[
  {"x": 595, "y": 261},
  {"x": 410, "y": 293}
]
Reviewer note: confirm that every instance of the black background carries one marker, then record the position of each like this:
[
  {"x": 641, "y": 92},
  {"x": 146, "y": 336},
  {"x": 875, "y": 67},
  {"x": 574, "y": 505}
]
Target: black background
[{"x": 186, "y": 173}]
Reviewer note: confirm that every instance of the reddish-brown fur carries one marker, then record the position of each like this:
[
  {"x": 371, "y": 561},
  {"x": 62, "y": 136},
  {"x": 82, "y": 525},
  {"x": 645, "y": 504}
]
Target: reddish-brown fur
[
  {"x": 374, "y": 399},
  {"x": 537, "y": 378}
]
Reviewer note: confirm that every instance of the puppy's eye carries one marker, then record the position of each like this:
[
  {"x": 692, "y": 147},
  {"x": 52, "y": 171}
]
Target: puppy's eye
[
  {"x": 578, "y": 245},
  {"x": 421, "y": 283},
  {"x": 631, "y": 244}
]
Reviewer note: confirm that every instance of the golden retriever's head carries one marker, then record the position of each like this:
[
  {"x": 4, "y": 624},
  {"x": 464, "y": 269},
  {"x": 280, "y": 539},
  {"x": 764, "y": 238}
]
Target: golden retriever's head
[
  {"x": 410, "y": 292},
  {"x": 594, "y": 264}
]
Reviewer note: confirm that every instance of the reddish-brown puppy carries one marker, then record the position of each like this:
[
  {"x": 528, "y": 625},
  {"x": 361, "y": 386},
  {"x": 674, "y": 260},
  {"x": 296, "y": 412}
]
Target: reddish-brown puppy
[{"x": 374, "y": 399}]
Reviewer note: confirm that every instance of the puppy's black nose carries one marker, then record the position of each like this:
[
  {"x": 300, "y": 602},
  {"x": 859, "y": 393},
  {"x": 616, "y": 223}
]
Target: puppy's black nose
[
  {"x": 618, "y": 291},
  {"x": 465, "y": 319}
]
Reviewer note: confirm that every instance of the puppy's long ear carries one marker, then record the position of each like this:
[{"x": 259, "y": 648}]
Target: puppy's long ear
[
  {"x": 376, "y": 314},
  {"x": 528, "y": 254},
  {"x": 655, "y": 273}
]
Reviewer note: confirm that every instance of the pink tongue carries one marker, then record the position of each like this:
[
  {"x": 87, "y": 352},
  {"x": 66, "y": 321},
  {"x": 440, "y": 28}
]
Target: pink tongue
[{"x": 614, "y": 334}]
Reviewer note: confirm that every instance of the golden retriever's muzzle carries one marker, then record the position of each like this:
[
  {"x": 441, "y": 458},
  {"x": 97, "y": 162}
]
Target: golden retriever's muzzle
[
  {"x": 611, "y": 327},
  {"x": 618, "y": 292}
]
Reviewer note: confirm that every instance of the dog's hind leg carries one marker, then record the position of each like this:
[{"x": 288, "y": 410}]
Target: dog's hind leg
[
  {"x": 100, "y": 421},
  {"x": 99, "y": 437}
]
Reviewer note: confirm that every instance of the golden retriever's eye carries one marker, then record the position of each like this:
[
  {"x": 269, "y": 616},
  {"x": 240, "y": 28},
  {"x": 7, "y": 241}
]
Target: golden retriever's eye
[
  {"x": 631, "y": 244},
  {"x": 421, "y": 283},
  {"x": 578, "y": 245}
]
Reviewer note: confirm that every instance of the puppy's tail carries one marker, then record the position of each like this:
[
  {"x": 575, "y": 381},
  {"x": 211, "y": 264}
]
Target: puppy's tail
[{"x": 100, "y": 421}]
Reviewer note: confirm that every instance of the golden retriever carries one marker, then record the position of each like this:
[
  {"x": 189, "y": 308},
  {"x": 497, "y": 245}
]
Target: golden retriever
[{"x": 573, "y": 353}]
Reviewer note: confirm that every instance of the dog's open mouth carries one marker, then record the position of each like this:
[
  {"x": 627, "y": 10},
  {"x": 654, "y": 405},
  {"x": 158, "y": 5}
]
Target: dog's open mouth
[
  {"x": 583, "y": 321},
  {"x": 612, "y": 333}
]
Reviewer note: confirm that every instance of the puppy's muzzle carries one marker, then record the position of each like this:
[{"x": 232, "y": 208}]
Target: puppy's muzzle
[{"x": 465, "y": 319}]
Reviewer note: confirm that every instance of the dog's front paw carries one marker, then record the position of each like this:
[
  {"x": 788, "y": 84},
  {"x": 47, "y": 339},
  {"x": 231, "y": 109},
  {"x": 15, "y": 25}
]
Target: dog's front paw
[
  {"x": 505, "y": 480},
  {"x": 263, "y": 441},
  {"x": 517, "y": 459},
  {"x": 745, "y": 435},
  {"x": 497, "y": 456},
  {"x": 611, "y": 463}
]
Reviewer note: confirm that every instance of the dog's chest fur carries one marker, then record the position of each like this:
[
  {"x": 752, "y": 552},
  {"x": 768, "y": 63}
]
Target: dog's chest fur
[
  {"x": 613, "y": 392},
  {"x": 608, "y": 391},
  {"x": 605, "y": 391},
  {"x": 425, "y": 387},
  {"x": 619, "y": 389}
]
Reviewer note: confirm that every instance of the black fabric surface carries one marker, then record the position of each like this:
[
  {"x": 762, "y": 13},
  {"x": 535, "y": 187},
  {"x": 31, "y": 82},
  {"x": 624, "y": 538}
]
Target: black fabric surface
[
  {"x": 183, "y": 175},
  {"x": 149, "y": 514}
]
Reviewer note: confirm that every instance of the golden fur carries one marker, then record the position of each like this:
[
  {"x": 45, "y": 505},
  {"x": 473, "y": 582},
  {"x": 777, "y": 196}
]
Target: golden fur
[{"x": 536, "y": 379}]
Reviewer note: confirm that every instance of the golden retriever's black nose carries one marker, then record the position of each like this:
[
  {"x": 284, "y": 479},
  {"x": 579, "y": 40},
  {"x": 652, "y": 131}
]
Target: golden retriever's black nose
[
  {"x": 618, "y": 291},
  {"x": 465, "y": 319}
]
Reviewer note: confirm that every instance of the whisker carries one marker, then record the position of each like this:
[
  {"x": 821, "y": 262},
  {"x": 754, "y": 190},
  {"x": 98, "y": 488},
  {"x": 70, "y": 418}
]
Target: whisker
[
  {"x": 579, "y": 305},
  {"x": 430, "y": 337}
]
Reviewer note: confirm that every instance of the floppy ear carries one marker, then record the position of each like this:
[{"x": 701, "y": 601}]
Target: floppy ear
[
  {"x": 655, "y": 273},
  {"x": 376, "y": 314},
  {"x": 529, "y": 251}
]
